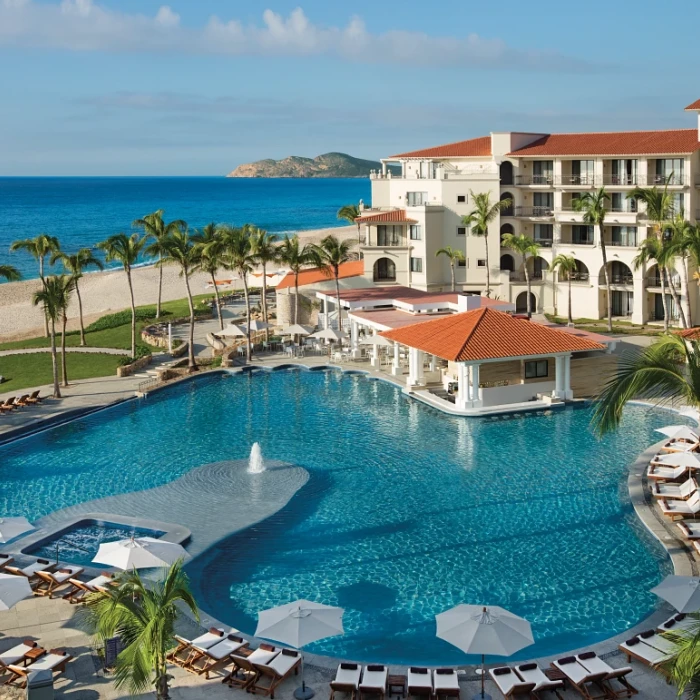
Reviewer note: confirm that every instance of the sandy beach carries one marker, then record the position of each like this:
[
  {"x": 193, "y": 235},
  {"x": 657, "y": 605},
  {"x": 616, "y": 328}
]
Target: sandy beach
[{"x": 105, "y": 292}]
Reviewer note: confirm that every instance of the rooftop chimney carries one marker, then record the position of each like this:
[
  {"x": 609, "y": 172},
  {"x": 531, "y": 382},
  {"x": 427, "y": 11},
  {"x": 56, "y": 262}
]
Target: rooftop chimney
[{"x": 468, "y": 302}]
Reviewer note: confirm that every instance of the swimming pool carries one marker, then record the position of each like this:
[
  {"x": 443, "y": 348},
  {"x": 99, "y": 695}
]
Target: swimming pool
[{"x": 407, "y": 511}]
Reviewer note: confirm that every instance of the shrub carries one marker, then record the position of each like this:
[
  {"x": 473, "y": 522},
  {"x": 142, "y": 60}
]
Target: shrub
[
  {"x": 141, "y": 351},
  {"x": 121, "y": 318}
]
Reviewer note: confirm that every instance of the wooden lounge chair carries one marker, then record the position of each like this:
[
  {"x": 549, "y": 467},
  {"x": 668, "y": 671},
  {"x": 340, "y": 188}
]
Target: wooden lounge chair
[
  {"x": 616, "y": 681},
  {"x": 55, "y": 661},
  {"x": 680, "y": 445},
  {"x": 35, "y": 398},
  {"x": 30, "y": 571},
  {"x": 183, "y": 654},
  {"x": 680, "y": 492},
  {"x": 216, "y": 658},
  {"x": 510, "y": 684},
  {"x": 273, "y": 673},
  {"x": 445, "y": 683},
  {"x": 637, "y": 648},
  {"x": 374, "y": 680},
  {"x": 682, "y": 508},
  {"x": 658, "y": 472},
  {"x": 49, "y": 581},
  {"x": 5, "y": 560},
  {"x": 532, "y": 673},
  {"x": 420, "y": 683},
  {"x": 245, "y": 670},
  {"x": 21, "y": 402},
  {"x": 347, "y": 680},
  {"x": 81, "y": 589},
  {"x": 679, "y": 623},
  {"x": 15, "y": 654},
  {"x": 8, "y": 405},
  {"x": 589, "y": 685}
]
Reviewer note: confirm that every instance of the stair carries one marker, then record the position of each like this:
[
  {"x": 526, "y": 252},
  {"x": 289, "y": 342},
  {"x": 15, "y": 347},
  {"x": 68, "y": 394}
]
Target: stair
[{"x": 442, "y": 394}]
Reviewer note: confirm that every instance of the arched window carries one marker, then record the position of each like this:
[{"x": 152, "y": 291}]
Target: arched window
[
  {"x": 510, "y": 210},
  {"x": 506, "y": 228},
  {"x": 384, "y": 270},
  {"x": 521, "y": 303},
  {"x": 506, "y": 171},
  {"x": 537, "y": 266},
  {"x": 507, "y": 262}
]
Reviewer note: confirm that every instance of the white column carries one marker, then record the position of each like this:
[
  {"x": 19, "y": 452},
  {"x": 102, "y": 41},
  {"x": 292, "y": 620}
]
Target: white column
[
  {"x": 396, "y": 365},
  {"x": 326, "y": 324},
  {"x": 433, "y": 363},
  {"x": 415, "y": 367},
  {"x": 568, "y": 394},
  {"x": 463, "y": 399},
  {"x": 354, "y": 339},
  {"x": 559, "y": 378},
  {"x": 476, "y": 391}
]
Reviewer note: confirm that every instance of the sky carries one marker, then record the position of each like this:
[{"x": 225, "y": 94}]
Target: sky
[{"x": 196, "y": 87}]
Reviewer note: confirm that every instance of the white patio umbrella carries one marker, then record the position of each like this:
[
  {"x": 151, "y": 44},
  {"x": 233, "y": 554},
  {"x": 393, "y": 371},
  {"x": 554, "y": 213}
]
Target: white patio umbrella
[
  {"x": 377, "y": 340},
  {"x": 233, "y": 331},
  {"x": 13, "y": 589},
  {"x": 683, "y": 592},
  {"x": 297, "y": 329},
  {"x": 680, "y": 459},
  {"x": 298, "y": 624},
  {"x": 139, "y": 553},
  {"x": 256, "y": 325},
  {"x": 13, "y": 527},
  {"x": 476, "y": 629},
  {"x": 329, "y": 334},
  {"x": 678, "y": 432}
]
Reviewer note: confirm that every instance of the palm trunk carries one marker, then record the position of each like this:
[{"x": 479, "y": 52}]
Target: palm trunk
[
  {"x": 607, "y": 277},
  {"x": 359, "y": 242},
  {"x": 571, "y": 319},
  {"x": 191, "y": 364},
  {"x": 488, "y": 271},
  {"x": 64, "y": 365},
  {"x": 54, "y": 361},
  {"x": 527, "y": 285},
  {"x": 452, "y": 272},
  {"x": 686, "y": 286},
  {"x": 162, "y": 688},
  {"x": 337, "y": 298},
  {"x": 248, "y": 354},
  {"x": 133, "y": 313},
  {"x": 264, "y": 301},
  {"x": 296, "y": 296},
  {"x": 677, "y": 300},
  {"x": 664, "y": 297},
  {"x": 218, "y": 303},
  {"x": 160, "y": 286},
  {"x": 80, "y": 315},
  {"x": 43, "y": 284}
]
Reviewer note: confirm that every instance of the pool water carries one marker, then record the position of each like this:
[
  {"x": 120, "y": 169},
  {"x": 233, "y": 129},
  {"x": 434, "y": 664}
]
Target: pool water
[
  {"x": 79, "y": 545},
  {"x": 407, "y": 511}
]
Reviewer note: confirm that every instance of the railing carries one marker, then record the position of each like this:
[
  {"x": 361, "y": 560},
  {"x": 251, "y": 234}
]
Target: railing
[
  {"x": 622, "y": 244},
  {"x": 620, "y": 279},
  {"x": 534, "y": 211},
  {"x": 389, "y": 243},
  {"x": 575, "y": 180},
  {"x": 620, "y": 180},
  {"x": 520, "y": 276},
  {"x": 577, "y": 278},
  {"x": 144, "y": 386},
  {"x": 631, "y": 208},
  {"x": 656, "y": 282},
  {"x": 579, "y": 241},
  {"x": 544, "y": 242},
  {"x": 542, "y": 180},
  {"x": 661, "y": 180},
  {"x": 598, "y": 180}
]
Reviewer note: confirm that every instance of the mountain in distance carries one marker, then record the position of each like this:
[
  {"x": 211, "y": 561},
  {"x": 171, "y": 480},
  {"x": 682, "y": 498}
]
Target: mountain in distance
[{"x": 326, "y": 165}]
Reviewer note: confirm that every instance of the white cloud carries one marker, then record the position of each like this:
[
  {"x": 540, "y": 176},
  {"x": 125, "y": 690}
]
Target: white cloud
[{"x": 85, "y": 25}]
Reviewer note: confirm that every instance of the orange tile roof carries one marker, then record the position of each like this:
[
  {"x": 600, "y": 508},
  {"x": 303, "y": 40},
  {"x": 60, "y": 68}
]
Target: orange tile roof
[
  {"x": 460, "y": 149},
  {"x": 695, "y": 106},
  {"x": 317, "y": 274},
  {"x": 613, "y": 143},
  {"x": 690, "y": 333},
  {"x": 396, "y": 216},
  {"x": 486, "y": 334}
]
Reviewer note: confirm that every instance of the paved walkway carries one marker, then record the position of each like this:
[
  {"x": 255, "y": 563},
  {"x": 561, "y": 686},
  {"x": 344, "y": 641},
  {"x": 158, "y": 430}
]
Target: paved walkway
[{"x": 87, "y": 350}]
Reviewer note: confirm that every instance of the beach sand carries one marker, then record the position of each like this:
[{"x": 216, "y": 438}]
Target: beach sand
[{"x": 105, "y": 292}]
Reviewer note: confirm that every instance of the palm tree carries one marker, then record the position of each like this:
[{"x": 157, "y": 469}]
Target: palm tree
[
  {"x": 179, "y": 249},
  {"x": 10, "y": 273},
  {"x": 50, "y": 297},
  {"x": 454, "y": 256},
  {"x": 684, "y": 665},
  {"x": 295, "y": 256},
  {"x": 125, "y": 250},
  {"x": 143, "y": 615},
  {"x": 652, "y": 249},
  {"x": 74, "y": 265},
  {"x": 265, "y": 250},
  {"x": 566, "y": 264},
  {"x": 38, "y": 247},
  {"x": 157, "y": 231},
  {"x": 685, "y": 243},
  {"x": 330, "y": 254},
  {"x": 67, "y": 285},
  {"x": 593, "y": 206},
  {"x": 350, "y": 213},
  {"x": 239, "y": 257},
  {"x": 210, "y": 246},
  {"x": 666, "y": 372},
  {"x": 525, "y": 246},
  {"x": 480, "y": 217}
]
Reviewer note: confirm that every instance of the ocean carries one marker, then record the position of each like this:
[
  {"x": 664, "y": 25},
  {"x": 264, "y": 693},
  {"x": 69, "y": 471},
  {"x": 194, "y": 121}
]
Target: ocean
[{"x": 81, "y": 211}]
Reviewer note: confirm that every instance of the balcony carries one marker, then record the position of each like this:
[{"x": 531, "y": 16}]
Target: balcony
[
  {"x": 622, "y": 244},
  {"x": 534, "y": 211},
  {"x": 544, "y": 242},
  {"x": 577, "y": 278},
  {"x": 660, "y": 180},
  {"x": 575, "y": 180},
  {"x": 623, "y": 180},
  {"x": 620, "y": 278},
  {"x": 535, "y": 277},
  {"x": 535, "y": 180}
]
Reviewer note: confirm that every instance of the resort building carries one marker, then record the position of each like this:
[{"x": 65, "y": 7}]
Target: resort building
[{"x": 417, "y": 213}]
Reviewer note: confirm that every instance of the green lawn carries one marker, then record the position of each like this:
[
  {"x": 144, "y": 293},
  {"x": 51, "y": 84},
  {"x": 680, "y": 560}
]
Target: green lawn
[{"x": 24, "y": 371}]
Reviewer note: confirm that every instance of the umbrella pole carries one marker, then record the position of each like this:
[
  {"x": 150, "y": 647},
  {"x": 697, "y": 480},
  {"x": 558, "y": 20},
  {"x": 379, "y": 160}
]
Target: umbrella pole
[
  {"x": 303, "y": 693},
  {"x": 482, "y": 695}
]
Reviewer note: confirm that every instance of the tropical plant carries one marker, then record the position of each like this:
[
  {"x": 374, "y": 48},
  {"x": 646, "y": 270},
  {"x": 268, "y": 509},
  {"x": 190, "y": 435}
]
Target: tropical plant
[
  {"x": 593, "y": 206},
  {"x": 652, "y": 249},
  {"x": 10, "y": 273},
  {"x": 525, "y": 246},
  {"x": 664, "y": 373},
  {"x": 67, "y": 286},
  {"x": 239, "y": 257},
  {"x": 329, "y": 255},
  {"x": 125, "y": 249},
  {"x": 210, "y": 247},
  {"x": 683, "y": 667},
  {"x": 480, "y": 218},
  {"x": 454, "y": 255},
  {"x": 50, "y": 297},
  {"x": 685, "y": 244},
  {"x": 38, "y": 247},
  {"x": 566, "y": 264},
  {"x": 156, "y": 232},
  {"x": 142, "y": 614},
  {"x": 179, "y": 249},
  {"x": 669, "y": 253},
  {"x": 295, "y": 256},
  {"x": 265, "y": 251},
  {"x": 75, "y": 265},
  {"x": 350, "y": 213}
]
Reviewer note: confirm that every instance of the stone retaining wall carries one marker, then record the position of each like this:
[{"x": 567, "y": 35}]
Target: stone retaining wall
[{"x": 128, "y": 370}]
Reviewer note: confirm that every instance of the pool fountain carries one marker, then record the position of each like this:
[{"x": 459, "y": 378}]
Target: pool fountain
[{"x": 255, "y": 463}]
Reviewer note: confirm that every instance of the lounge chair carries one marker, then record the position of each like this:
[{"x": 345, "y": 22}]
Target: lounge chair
[
  {"x": 690, "y": 529},
  {"x": 15, "y": 654},
  {"x": 5, "y": 560},
  {"x": 683, "y": 508},
  {"x": 347, "y": 680},
  {"x": 245, "y": 670},
  {"x": 184, "y": 653},
  {"x": 271, "y": 674},
  {"x": 659, "y": 472},
  {"x": 679, "y": 623},
  {"x": 35, "y": 398},
  {"x": 83, "y": 588},
  {"x": 590, "y": 685},
  {"x": 8, "y": 405},
  {"x": 217, "y": 657},
  {"x": 49, "y": 581},
  {"x": 532, "y": 673},
  {"x": 30, "y": 571},
  {"x": 616, "y": 679},
  {"x": 510, "y": 684},
  {"x": 445, "y": 683},
  {"x": 374, "y": 680},
  {"x": 420, "y": 682},
  {"x": 21, "y": 401},
  {"x": 636, "y": 648},
  {"x": 680, "y": 445},
  {"x": 55, "y": 661},
  {"x": 680, "y": 492}
]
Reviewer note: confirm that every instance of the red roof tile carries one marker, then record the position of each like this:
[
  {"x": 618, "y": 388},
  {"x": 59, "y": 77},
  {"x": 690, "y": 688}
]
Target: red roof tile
[
  {"x": 689, "y": 333},
  {"x": 695, "y": 106},
  {"x": 317, "y": 274},
  {"x": 486, "y": 334},
  {"x": 395, "y": 216},
  {"x": 461, "y": 149},
  {"x": 613, "y": 143}
]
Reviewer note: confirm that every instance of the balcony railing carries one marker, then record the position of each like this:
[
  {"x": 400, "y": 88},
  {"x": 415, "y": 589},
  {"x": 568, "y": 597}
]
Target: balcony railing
[
  {"x": 542, "y": 180},
  {"x": 534, "y": 211},
  {"x": 544, "y": 242},
  {"x": 577, "y": 278},
  {"x": 623, "y": 180},
  {"x": 656, "y": 282},
  {"x": 661, "y": 180},
  {"x": 620, "y": 279},
  {"x": 622, "y": 244},
  {"x": 520, "y": 276},
  {"x": 382, "y": 242},
  {"x": 579, "y": 241},
  {"x": 575, "y": 180}
]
